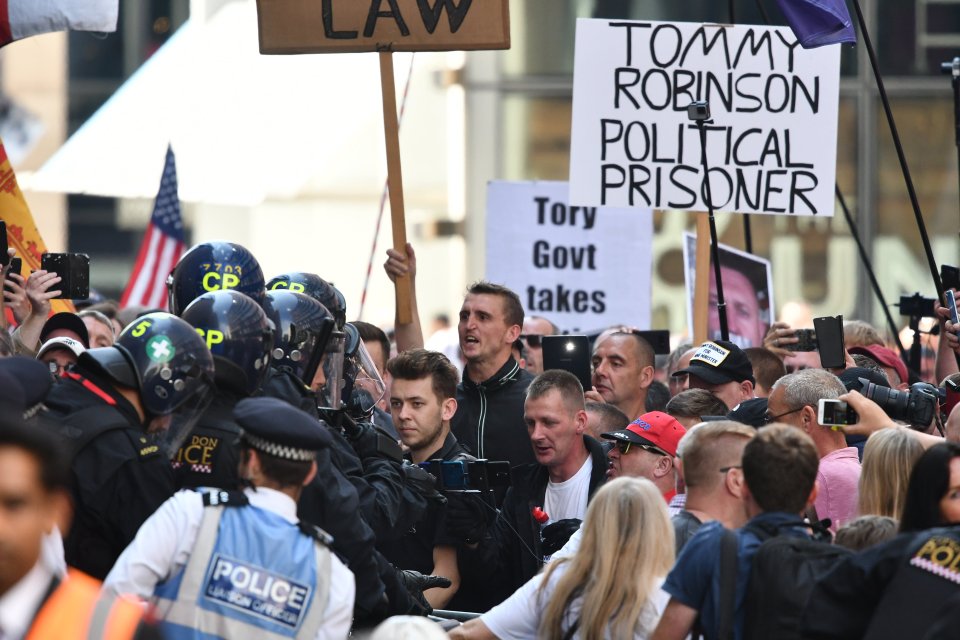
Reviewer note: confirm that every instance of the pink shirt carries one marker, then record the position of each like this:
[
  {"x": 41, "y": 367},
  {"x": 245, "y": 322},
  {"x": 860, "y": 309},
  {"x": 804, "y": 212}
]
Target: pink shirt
[{"x": 838, "y": 478}]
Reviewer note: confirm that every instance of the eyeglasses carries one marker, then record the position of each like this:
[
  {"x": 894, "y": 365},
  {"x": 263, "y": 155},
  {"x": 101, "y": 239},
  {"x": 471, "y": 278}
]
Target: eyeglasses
[
  {"x": 532, "y": 339},
  {"x": 767, "y": 418},
  {"x": 625, "y": 447},
  {"x": 733, "y": 466}
]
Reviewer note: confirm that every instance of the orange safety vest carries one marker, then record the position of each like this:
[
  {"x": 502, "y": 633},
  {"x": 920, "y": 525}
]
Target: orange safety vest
[{"x": 77, "y": 611}]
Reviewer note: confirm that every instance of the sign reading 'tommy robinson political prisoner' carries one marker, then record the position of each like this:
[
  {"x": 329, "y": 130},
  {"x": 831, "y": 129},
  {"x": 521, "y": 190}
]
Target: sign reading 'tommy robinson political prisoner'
[
  {"x": 772, "y": 142},
  {"x": 583, "y": 268}
]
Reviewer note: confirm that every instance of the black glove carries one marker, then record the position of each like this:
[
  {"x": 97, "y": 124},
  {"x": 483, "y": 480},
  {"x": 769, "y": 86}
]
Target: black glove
[
  {"x": 466, "y": 517},
  {"x": 556, "y": 534},
  {"x": 370, "y": 442},
  {"x": 422, "y": 482},
  {"x": 416, "y": 583}
]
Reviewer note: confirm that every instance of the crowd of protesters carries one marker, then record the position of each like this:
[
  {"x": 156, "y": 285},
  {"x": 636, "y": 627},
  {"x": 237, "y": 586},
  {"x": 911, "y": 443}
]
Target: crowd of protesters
[{"x": 253, "y": 463}]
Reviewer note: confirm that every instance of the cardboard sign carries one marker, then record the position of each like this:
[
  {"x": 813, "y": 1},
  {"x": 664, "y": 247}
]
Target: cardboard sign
[
  {"x": 772, "y": 145},
  {"x": 583, "y": 268},
  {"x": 747, "y": 292},
  {"x": 342, "y": 26}
]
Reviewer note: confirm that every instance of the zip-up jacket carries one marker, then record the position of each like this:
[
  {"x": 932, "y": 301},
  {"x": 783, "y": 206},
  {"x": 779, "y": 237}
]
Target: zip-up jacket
[{"x": 489, "y": 419}]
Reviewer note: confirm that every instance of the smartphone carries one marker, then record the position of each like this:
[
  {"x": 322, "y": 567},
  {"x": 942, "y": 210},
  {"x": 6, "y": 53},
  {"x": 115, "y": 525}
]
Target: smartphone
[
  {"x": 835, "y": 413},
  {"x": 950, "y": 276},
  {"x": 952, "y": 396},
  {"x": 4, "y": 257},
  {"x": 952, "y": 305},
  {"x": 16, "y": 266},
  {"x": 74, "y": 272},
  {"x": 569, "y": 353},
  {"x": 830, "y": 342},
  {"x": 659, "y": 339},
  {"x": 807, "y": 341}
]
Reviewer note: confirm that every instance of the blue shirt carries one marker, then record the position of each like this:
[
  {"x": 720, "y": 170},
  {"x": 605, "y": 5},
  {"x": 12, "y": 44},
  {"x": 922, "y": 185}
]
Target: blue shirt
[{"x": 695, "y": 578}]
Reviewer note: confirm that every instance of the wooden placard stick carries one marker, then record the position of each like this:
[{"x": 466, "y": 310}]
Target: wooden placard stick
[
  {"x": 701, "y": 287},
  {"x": 391, "y": 129}
]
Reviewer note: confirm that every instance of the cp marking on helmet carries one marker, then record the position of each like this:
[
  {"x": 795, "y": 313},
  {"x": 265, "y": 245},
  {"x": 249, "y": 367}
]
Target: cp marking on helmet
[
  {"x": 226, "y": 281},
  {"x": 211, "y": 337},
  {"x": 289, "y": 286}
]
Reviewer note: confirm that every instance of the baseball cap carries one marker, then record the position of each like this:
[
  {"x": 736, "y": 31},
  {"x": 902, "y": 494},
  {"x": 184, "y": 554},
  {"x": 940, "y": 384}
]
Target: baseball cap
[
  {"x": 718, "y": 362},
  {"x": 70, "y": 322},
  {"x": 62, "y": 342},
  {"x": 655, "y": 429},
  {"x": 886, "y": 357},
  {"x": 851, "y": 378}
]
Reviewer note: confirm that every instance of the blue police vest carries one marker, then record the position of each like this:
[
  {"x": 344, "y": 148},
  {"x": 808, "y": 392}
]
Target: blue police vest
[{"x": 252, "y": 574}]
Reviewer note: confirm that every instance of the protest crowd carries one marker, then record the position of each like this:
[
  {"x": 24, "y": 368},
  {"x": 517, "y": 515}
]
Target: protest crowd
[
  {"x": 252, "y": 463},
  {"x": 224, "y": 453}
]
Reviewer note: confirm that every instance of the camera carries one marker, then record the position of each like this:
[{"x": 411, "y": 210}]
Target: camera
[
  {"x": 699, "y": 111},
  {"x": 917, "y": 407},
  {"x": 468, "y": 475}
]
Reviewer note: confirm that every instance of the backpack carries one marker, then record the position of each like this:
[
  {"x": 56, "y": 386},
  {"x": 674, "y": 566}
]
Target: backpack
[{"x": 782, "y": 575}]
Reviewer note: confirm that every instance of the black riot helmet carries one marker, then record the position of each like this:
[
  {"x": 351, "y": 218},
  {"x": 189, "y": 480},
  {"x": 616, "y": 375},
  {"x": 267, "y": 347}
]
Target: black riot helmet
[
  {"x": 164, "y": 359},
  {"x": 315, "y": 287},
  {"x": 238, "y": 334},
  {"x": 306, "y": 338},
  {"x": 213, "y": 266}
]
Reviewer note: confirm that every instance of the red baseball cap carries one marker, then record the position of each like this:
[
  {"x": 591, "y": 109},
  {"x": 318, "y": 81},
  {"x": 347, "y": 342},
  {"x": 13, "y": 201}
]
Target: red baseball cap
[
  {"x": 886, "y": 357},
  {"x": 655, "y": 428}
]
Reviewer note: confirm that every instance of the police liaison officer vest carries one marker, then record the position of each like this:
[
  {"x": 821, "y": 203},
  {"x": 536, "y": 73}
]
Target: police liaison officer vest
[{"x": 251, "y": 574}]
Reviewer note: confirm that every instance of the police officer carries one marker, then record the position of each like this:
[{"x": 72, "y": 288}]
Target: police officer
[
  {"x": 241, "y": 565},
  {"x": 123, "y": 411},
  {"x": 317, "y": 288},
  {"x": 213, "y": 266},
  {"x": 240, "y": 337}
]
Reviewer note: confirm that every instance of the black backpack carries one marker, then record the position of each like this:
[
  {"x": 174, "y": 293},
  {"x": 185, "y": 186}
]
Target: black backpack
[{"x": 783, "y": 573}]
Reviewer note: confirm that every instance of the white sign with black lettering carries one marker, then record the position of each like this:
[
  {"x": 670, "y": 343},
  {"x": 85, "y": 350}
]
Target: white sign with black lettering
[
  {"x": 772, "y": 142},
  {"x": 583, "y": 268}
]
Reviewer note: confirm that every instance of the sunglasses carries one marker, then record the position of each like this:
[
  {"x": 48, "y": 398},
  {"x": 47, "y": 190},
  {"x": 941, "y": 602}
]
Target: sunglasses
[
  {"x": 532, "y": 339},
  {"x": 625, "y": 447},
  {"x": 767, "y": 418}
]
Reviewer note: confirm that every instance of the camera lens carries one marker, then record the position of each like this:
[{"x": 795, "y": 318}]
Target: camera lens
[{"x": 894, "y": 403}]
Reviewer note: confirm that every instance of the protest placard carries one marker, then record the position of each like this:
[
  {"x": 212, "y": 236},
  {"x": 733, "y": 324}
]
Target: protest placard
[
  {"x": 771, "y": 147},
  {"x": 747, "y": 290},
  {"x": 583, "y": 268},
  {"x": 342, "y": 26}
]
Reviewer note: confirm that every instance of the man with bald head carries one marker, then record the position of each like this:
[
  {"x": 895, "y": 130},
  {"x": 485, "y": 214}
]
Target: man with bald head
[{"x": 622, "y": 372}]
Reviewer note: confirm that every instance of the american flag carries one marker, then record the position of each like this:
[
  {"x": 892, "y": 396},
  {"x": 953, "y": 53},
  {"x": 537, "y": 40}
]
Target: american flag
[{"x": 162, "y": 246}]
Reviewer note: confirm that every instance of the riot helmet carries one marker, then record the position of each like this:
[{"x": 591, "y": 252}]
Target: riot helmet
[
  {"x": 238, "y": 334},
  {"x": 212, "y": 266},
  {"x": 164, "y": 359},
  {"x": 315, "y": 287},
  {"x": 363, "y": 387},
  {"x": 306, "y": 343}
]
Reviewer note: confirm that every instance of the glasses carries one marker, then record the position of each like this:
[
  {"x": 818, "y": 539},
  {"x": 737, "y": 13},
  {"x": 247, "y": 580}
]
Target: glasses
[
  {"x": 767, "y": 418},
  {"x": 532, "y": 339},
  {"x": 625, "y": 447},
  {"x": 733, "y": 466}
]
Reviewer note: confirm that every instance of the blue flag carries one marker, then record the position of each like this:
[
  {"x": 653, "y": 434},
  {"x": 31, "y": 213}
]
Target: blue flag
[{"x": 819, "y": 22}]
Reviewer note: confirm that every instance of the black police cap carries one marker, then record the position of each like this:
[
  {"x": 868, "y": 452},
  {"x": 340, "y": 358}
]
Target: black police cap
[{"x": 280, "y": 429}]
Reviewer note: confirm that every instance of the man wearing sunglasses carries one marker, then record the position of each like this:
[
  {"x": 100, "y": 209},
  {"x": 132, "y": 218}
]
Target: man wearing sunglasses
[
  {"x": 646, "y": 449},
  {"x": 534, "y": 328}
]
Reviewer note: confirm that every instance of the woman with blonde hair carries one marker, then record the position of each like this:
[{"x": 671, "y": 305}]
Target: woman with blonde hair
[
  {"x": 611, "y": 587},
  {"x": 888, "y": 459}
]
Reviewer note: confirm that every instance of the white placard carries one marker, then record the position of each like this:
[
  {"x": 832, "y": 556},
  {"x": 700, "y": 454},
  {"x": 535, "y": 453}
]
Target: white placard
[
  {"x": 583, "y": 268},
  {"x": 772, "y": 146}
]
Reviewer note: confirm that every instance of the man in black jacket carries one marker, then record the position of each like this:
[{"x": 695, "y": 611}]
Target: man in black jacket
[
  {"x": 570, "y": 467},
  {"x": 489, "y": 419}
]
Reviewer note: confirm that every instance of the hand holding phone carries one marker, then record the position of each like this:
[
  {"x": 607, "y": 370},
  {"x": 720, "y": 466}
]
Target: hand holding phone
[
  {"x": 952, "y": 306},
  {"x": 830, "y": 343},
  {"x": 835, "y": 413},
  {"x": 74, "y": 272},
  {"x": 806, "y": 340}
]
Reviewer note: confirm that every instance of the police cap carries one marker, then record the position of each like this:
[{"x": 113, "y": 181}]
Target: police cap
[
  {"x": 279, "y": 429},
  {"x": 31, "y": 376}
]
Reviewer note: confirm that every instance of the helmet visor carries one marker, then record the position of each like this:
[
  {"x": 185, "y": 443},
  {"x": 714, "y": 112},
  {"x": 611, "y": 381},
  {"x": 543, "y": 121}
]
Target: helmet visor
[
  {"x": 363, "y": 386},
  {"x": 328, "y": 380},
  {"x": 171, "y": 430}
]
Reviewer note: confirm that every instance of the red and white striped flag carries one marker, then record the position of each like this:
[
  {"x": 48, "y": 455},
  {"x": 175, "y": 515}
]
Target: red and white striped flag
[
  {"x": 24, "y": 18},
  {"x": 162, "y": 245}
]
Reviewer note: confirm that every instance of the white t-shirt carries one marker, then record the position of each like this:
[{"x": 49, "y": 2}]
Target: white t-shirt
[
  {"x": 568, "y": 499},
  {"x": 518, "y": 617}
]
